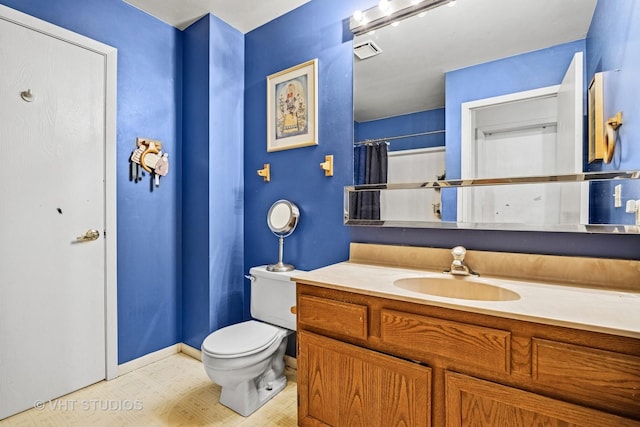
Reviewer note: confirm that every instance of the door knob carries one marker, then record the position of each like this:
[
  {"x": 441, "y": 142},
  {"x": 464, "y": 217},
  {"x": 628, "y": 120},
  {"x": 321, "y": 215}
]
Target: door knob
[{"x": 88, "y": 236}]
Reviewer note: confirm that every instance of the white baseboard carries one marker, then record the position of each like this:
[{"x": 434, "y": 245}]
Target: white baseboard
[
  {"x": 190, "y": 351},
  {"x": 147, "y": 359},
  {"x": 291, "y": 362}
]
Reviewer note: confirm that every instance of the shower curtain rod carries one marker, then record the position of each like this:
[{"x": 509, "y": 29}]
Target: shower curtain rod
[{"x": 373, "y": 141}]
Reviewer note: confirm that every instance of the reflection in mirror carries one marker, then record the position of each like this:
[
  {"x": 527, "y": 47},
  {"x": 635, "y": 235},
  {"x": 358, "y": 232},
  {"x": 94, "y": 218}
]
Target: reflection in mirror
[
  {"x": 509, "y": 85},
  {"x": 521, "y": 203}
]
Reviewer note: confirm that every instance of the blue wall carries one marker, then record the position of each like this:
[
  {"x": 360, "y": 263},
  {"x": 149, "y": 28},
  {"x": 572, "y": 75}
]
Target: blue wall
[
  {"x": 195, "y": 193},
  {"x": 318, "y": 29},
  {"x": 213, "y": 209},
  {"x": 617, "y": 54},
  {"x": 406, "y": 124},
  {"x": 149, "y": 99},
  {"x": 613, "y": 47}
]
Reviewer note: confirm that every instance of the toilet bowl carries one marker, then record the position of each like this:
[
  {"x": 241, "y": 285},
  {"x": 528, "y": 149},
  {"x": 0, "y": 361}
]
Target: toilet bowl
[{"x": 247, "y": 359}]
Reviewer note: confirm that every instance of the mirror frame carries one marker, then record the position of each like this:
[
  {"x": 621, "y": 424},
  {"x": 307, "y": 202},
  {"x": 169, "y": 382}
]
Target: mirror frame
[
  {"x": 349, "y": 191},
  {"x": 292, "y": 222}
]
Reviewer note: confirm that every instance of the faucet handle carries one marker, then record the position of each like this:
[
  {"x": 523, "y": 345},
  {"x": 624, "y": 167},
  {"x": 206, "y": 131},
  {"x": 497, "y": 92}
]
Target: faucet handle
[{"x": 458, "y": 253}]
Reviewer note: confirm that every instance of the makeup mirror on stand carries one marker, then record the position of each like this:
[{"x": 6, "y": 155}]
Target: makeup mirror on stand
[{"x": 282, "y": 220}]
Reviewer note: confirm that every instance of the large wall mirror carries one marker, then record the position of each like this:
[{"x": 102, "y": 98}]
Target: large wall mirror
[{"x": 476, "y": 114}]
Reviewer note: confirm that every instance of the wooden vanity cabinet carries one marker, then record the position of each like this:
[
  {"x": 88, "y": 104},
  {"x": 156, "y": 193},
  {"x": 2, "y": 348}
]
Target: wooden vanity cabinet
[{"x": 371, "y": 361}]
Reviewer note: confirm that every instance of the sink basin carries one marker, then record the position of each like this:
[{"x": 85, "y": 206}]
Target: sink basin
[{"x": 457, "y": 287}]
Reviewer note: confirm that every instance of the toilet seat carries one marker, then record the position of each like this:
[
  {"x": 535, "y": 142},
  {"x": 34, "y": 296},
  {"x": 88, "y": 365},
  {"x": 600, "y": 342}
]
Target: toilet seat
[{"x": 241, "y": 339}]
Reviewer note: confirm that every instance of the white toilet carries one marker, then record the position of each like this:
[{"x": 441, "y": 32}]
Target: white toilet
[{"x": 247, "y": 359}]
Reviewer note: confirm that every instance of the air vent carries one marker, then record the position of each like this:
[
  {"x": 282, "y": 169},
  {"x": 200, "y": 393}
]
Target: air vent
[{"x": 366, "y": 49}]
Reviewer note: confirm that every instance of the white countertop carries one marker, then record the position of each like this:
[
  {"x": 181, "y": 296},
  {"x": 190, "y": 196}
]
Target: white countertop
[{"x": 588, "y": 309}]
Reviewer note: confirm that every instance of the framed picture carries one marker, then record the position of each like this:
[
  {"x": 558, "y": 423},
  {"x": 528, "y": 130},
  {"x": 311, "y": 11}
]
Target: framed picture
[{"x": 292, "y": 107}]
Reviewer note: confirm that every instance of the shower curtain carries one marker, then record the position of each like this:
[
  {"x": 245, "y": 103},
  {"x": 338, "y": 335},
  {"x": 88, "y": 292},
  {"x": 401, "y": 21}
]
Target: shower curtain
[{"x": 370, "y": 166}]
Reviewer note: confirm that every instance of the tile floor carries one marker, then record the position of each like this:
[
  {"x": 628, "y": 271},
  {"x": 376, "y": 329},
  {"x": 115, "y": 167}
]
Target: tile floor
[{"x": 171, "y": 392}]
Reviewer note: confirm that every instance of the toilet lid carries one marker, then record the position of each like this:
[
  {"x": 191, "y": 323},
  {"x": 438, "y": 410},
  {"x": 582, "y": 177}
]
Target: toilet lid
[{"x": 241, "y": 339}]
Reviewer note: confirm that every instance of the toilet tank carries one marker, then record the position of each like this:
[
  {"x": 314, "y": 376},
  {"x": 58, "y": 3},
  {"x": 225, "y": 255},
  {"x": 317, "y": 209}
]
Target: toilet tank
[{"x": 272, "y": 296}]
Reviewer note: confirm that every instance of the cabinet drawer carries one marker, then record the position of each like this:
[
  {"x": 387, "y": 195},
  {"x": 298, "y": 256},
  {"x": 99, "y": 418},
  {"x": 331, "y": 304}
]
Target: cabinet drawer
[
  {"x": 337, "y": 317},
  {"x": 608, "y": 379},
  {"x": 476, "y": 345}
]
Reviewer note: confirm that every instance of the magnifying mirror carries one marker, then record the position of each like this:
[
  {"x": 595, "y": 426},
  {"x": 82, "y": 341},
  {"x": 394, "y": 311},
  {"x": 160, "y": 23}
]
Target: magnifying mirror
[{"x": 282, "y": 220}]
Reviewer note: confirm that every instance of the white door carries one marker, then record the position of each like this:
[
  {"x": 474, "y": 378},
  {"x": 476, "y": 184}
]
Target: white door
[
  {"x": 575, "y": 197},
  {"x": 526, "y": 148},
  {"x": 52, "y": 190},
  {"x": 570, "y": 117}
]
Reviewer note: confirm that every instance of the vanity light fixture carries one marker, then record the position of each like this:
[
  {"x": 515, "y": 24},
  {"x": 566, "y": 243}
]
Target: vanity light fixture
[
  {"x": 385, "y": 7},
  {"x": 388, "y": 11}
]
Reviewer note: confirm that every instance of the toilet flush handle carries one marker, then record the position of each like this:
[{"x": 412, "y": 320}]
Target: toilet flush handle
[{"x": 250, "y": 277}]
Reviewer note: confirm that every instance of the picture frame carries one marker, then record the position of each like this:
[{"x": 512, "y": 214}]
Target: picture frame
[{"x": 292, "y": 107}]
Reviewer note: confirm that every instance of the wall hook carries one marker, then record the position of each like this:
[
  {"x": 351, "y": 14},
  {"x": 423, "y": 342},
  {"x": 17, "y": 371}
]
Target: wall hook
[
  {"x": 327, "y": 165},
  {"x": 265, "y": 172},
  {"x": 27, "y": 95}
]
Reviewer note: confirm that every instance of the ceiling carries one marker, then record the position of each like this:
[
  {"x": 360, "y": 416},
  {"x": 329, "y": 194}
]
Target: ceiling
[
  {"x": 243, "y": 15},
  {"x": 408, "y": 76}
]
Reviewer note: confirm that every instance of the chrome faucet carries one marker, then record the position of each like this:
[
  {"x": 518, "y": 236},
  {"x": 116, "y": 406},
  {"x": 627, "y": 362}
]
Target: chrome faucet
[{"x": 458, "y": 267}]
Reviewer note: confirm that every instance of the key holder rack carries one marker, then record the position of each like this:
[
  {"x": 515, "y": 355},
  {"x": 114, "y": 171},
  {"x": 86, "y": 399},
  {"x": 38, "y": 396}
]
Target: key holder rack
[{"x": 148, "y": 156}]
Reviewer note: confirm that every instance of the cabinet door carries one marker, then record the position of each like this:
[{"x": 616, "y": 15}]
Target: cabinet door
[
  {"x": 343, "y": 385},
  {"x": 474, "y": 402}
]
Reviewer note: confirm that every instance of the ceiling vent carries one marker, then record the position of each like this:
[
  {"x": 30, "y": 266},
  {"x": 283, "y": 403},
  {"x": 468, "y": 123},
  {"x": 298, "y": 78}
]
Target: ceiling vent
[{"x": 366, "y": 49}]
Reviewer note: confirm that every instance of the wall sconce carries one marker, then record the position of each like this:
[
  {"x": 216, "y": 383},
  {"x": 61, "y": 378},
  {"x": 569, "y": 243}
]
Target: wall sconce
[
  {"x": 265, "y": 172},
  {"x": 388, "y": 11},
  {"x": 327, "y": 165},
  {"x": 610, "y": 136}
]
